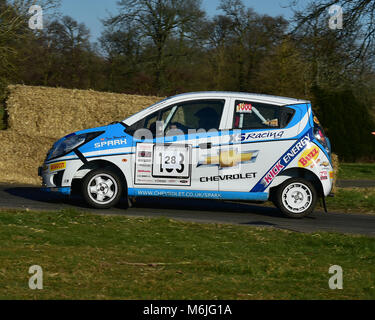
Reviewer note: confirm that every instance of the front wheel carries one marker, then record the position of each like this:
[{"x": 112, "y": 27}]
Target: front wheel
[
  {"x": 102, "y": 189},
  {"x": 296, "y": 198}
]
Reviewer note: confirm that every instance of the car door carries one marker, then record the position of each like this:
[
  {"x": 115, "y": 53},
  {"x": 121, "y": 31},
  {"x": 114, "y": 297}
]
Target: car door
[
  {"x": 258, "y": 132},
  {"x": 184, "y": 136}
]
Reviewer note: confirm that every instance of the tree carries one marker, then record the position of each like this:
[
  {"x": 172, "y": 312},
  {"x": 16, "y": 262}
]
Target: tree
[
  {"x": 239, "y": 41},
  {"x": 359, "y": 20},
  {"x": 157, "y": 22}
]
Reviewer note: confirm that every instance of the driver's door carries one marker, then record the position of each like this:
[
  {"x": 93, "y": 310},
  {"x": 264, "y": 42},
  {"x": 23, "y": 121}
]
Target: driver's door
[{"x": 182, "y": 152}]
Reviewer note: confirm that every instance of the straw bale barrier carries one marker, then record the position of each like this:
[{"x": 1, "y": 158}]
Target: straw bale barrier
[
  {"x": 38, "y": 116},
  {"x": 55, "y": 112}
]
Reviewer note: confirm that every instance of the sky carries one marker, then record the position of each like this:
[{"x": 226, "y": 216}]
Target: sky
[{"x": 91, "y": 12}]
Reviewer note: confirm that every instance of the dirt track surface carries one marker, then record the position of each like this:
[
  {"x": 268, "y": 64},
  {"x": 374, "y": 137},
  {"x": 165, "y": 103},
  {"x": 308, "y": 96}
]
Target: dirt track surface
[{"x": 201, "y": 211}]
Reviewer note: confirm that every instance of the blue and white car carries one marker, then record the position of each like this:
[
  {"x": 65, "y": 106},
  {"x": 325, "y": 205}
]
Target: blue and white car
[{"x": 206, "y": 145}]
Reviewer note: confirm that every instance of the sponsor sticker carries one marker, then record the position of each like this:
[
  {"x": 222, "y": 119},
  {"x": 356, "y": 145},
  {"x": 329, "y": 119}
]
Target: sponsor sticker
[
  {"x": 144, "y": 154},
  {"x": 244, "y": 108},
  {"x": 252, "y": 136},
  {"x": 316, "y": 120},
  {"x": 229, "y": 159},
  {"x": 324, "y": 175},
  {"x": 57, "y": 166},
  {"x": 308, "y": 157},
  {"x": 231, "y": 177},
  {"x": 110, "y": 143},
  {"x": 324, "y": 164},
  {"x": 278, "y": 167}
]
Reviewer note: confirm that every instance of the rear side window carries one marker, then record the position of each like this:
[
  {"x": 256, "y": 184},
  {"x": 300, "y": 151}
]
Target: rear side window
[{"x": 253, "y": 115}]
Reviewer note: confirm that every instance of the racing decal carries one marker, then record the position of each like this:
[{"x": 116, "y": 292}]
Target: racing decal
[
  {"x": 171, "y": 161},
  {"x": 325, "y": 164},
  {"x": 196, "y": 194},
  {"x": 277, "y": 168},
  {"x": 323, "y": 175},
  {"x": 163, "y": 164},
  {"x": 309, "y": 157},
  {"x": 244, "y": 108},
  {"x": 254, "y": 136},
  {"x": 316, "y": 121},
  {"x": 111, "y": 142},
  {"x": 229, "y": 158},
  {"x": 57, "y": 166},
  {"x": 331, "y": 175},
  {"x": 283, "y": 162},
  {"x": 231, "y": 177}
]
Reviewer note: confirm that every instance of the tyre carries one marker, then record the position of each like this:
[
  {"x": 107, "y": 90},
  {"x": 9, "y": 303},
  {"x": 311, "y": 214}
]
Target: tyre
[
  {"x": 296, "y": 198},
  {"x": 102, "y": 189}
]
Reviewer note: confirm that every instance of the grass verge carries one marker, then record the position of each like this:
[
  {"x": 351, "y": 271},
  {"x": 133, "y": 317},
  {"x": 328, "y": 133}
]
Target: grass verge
[
  {"x": 357, "y": 171},
  {"x": 111, "y": 257},
  {"x": 360, "y": 200}
]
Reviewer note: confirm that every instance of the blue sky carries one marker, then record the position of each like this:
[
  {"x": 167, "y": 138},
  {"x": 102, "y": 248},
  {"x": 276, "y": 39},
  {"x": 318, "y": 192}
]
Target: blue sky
[{"x": 91, "y": 11}]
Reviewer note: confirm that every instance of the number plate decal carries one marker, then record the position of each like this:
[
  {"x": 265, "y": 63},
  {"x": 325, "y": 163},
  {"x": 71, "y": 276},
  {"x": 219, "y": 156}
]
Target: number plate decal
[
  {"x": 171, "y": 161},
  {"x": 163, "y": 164}
]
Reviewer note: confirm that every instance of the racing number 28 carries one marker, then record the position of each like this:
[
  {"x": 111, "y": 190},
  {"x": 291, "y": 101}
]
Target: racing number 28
[{"x": 171, "y": 161}]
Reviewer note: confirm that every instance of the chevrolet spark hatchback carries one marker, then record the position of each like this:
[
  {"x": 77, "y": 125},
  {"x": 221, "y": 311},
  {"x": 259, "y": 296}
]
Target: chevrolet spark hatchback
[{"x": 206, "y": 145}]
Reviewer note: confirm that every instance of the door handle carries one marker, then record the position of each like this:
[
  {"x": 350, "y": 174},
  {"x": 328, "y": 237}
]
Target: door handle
[{"x": 206, "y": 145}]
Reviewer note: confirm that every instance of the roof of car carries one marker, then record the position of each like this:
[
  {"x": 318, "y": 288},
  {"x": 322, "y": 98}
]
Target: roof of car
[{"x": 250, "y": 96}]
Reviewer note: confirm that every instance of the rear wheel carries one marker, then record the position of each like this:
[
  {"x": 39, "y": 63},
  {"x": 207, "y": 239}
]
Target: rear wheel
[
  {"x": 296, "y": 198},
  {"x": 102, "y": 189}
]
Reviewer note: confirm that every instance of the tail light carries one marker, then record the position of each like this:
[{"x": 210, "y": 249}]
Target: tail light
[{"x": 321, "y": 137}]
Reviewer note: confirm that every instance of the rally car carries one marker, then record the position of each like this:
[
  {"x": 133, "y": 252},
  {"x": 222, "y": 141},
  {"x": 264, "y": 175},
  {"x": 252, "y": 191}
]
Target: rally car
[{"x": 205, "y": 145}]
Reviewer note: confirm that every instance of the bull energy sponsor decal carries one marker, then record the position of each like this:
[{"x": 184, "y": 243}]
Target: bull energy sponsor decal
[
  {"x": 283, "y": 162},
  {"x": 57, "y": 166},
  {"x": 309, "y": 157},
  {"x": 229, "y": 177},
  {"x": 229, "y": 159},
  {"x": 244, "y": 108}
]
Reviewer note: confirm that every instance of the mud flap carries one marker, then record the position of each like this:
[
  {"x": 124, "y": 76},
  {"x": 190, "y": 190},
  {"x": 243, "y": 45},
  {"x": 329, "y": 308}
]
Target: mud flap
[{"x": 324, "y": 204}]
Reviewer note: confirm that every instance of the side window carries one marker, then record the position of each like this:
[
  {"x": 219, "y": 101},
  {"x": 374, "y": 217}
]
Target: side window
[
  {"x": 254, "y": 115},
  {"x": 146, "y": 123},
  {"x": 202, "y": 114}
]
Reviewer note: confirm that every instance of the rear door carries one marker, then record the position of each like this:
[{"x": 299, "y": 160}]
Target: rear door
[{"x": 258, "y": 142}]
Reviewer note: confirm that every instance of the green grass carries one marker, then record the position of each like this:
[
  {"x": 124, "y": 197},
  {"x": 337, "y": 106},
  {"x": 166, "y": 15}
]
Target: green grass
[
  {"x": 357, "y": 171},
  {"x": 353, "y": 200},
  {"x": 112, "y": 257}
]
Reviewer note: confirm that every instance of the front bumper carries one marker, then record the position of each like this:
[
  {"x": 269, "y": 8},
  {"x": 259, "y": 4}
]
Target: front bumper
[
  {"x": 51, "y": 179},
  {"x": 64, "y": 190}
]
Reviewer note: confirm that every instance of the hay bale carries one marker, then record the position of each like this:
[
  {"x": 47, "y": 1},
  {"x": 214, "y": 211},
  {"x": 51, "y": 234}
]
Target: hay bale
[
  {"x": 38, "y": 116},
  {"x": 336, "y": 168},
  {"x": 56, "y": 112},
  {"x": 21, "y": 156}
]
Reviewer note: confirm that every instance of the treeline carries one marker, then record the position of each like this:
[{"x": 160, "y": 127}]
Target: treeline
[{"x": 165, "y": 47}]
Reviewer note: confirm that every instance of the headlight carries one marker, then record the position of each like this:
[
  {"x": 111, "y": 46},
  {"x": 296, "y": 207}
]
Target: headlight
[{"x": 70, "y": 143}]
